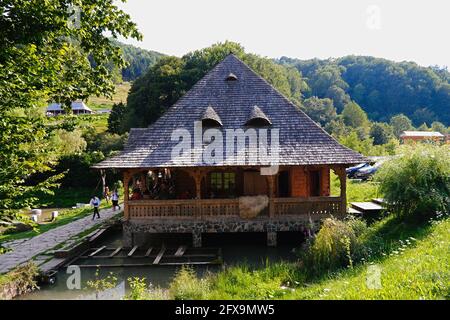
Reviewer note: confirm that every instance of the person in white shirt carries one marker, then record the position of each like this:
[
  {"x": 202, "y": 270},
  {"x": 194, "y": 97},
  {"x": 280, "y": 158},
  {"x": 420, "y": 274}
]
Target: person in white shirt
[
  {"x": 95, "y": 202},
  {"x": 115, "y": 200}
]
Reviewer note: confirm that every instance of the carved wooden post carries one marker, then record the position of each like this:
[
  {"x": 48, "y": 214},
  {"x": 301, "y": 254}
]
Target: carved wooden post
[
  {"x": 197, "y": 175},
  {"x": 271, "y": 184},
  {"x": 126, "y": 181},
  {"x": 343, "y": 180},
  {"x": 198, "y": 184}
]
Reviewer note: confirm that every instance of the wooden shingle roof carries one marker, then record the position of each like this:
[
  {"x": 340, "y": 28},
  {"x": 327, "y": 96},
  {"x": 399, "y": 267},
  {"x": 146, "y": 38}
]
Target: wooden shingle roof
[
  {"x": 258, "y": 114},
  {"x": 301, "y": 140},
  {"x": 211, "y": 114}
]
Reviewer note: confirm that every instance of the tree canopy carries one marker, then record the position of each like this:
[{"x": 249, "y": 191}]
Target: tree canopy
[
  {"x": 354, "y": 116},
  {"x": 381, "y": 87},
  {"x": 46, "y": 50},
  {"x": 138, "y": 60},
  {"x": 321, "y": 111},
  {"x": 171, "y": 77}
]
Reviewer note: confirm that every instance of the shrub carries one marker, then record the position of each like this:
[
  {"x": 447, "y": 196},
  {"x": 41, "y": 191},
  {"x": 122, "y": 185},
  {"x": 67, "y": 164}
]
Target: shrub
[
  {"x": 18, "y": 281},
  {"x": 102, "y": 284},
  {"x": 336, "y": 245},
  {"x": 418, "y": 181},
  {"x": 139, "y": 290},
  {"x": 186, "y": 285}
]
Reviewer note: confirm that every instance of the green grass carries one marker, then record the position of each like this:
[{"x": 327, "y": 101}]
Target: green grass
[
  {"x": 414, "y": 260},
  {"x": 356, "y": 191},
  {"x": 420, "y": 270},
  {"x": 66, "y": 197},
  {"x": 98, "y": 121},
  {"x": 98, "y": 103}
]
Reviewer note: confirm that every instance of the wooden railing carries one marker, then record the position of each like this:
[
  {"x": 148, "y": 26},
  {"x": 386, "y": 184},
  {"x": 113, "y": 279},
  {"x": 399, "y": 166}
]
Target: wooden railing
[
  {"x": 312, "y": 206},
  {"x": 205, "y": 208},
  {"x": 183, "y": 208}
]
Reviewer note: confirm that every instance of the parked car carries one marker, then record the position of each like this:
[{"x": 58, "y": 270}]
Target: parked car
[
  {"x": 352, "y": 170},
  {"x": 368, "y": 171}
]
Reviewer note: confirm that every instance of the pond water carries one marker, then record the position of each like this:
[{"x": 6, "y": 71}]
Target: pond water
[{"x": 238, "y": 250}]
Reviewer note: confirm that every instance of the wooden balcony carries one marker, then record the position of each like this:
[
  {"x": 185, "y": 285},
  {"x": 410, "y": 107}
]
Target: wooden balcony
[{"x": 229, "y": 208}]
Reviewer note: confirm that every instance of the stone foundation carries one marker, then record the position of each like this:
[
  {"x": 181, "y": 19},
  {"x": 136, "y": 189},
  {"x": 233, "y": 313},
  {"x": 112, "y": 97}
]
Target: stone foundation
[{"x": 134, "y": 230}]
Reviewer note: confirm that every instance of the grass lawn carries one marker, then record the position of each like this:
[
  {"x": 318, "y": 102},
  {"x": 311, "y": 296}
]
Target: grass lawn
[
  {"x": 66, "y": 197},
  {"x": 356, "y": 190},
  {"x": 414, "y": 263},
  {"x": 416, "y": 270},
  {"x": 98, "y": 121},
  {"x": 98, "y": 103}
]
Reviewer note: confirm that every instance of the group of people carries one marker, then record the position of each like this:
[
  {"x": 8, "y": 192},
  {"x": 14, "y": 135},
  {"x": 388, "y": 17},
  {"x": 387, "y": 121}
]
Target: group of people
[{"x": 113, "y": 197}]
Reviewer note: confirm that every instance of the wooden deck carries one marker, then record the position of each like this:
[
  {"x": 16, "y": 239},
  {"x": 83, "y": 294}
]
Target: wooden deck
[{"x": 148, "y": 256}]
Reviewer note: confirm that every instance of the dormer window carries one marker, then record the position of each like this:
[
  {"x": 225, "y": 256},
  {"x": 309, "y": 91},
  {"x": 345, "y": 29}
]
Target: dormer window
[
  {"x": 231, "y": 77},
  {"x": 258, "y": 118},
  {"x": 210, "y": 118}
]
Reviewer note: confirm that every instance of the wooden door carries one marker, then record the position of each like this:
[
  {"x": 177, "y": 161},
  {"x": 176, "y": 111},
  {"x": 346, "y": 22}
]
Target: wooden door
[{"x": 254, "y": 184}]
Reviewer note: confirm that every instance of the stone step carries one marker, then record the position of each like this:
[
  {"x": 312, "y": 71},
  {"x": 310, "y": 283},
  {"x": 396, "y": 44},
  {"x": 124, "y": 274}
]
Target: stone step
[
  {"x": 353, "y": 211},
  {"x": 365, "y": 207},
  {"x": 379, "y": 201}
]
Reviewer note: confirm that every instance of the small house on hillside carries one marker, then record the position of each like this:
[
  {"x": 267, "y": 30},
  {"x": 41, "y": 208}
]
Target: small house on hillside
[
  {"x": 232, "y": 155},
  {"x": 407, "y": 136},
  {"x": 78, "y": 107}
]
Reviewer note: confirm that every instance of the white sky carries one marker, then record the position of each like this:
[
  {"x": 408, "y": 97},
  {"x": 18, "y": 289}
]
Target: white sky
[{"x": 393, "y": 29}]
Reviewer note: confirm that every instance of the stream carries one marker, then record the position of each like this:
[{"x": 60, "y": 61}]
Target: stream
[{"x": 237, "y": 250}]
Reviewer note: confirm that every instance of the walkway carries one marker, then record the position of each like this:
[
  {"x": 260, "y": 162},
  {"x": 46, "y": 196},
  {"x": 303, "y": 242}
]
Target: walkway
[{"x": 24, "y": 250}]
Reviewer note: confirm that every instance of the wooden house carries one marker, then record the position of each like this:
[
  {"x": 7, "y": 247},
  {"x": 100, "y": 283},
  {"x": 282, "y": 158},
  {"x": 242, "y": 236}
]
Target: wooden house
[{"x": 186, "y": 194}]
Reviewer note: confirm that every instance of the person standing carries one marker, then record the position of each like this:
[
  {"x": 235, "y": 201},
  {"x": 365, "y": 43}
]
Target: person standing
[
  {"x": 95, "y": 202},
  {"x": 115, "y": 200},
  {"x": 106, "y": 195}
]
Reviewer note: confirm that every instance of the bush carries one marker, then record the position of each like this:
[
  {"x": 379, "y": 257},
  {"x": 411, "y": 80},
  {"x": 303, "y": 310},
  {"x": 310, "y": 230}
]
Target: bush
[
  {"x": 138, "y": 289},
  {"x": 186, "y": 285},
  {"x": 417, "y": 182},
  {"x": 18, "y": 281},
  {"x": 336, "y": 245}
]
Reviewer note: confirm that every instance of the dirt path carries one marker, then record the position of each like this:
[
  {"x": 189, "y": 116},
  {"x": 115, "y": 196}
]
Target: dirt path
[{"x": 24, "y": 250}]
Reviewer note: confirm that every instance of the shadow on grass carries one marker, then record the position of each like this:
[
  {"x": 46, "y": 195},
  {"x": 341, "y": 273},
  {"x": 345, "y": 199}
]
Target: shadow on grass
[{"x": 67, "y": 197}]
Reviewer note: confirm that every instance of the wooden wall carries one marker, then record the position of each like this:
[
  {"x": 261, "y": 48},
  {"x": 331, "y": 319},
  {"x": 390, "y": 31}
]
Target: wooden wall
[
  {"x": 299, "y": 177},
  {"x": 184, "y": 182},
  {"x": 325, "y": 182}
]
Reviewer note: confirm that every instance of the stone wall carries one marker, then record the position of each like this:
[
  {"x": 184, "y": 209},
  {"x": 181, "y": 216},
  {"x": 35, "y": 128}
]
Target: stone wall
[{"x": 133, "y": 230}]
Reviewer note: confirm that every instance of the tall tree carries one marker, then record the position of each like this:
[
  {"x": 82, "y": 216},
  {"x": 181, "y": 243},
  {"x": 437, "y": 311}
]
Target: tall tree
[
  {"x": 45, "y": 53},
  {"x": 381, "y": 133},
  {"x": 400, "y": 123},
  {"x": 354, "y": 116},
  {"x": 320, "y": 110},
  {"x": 116, "y": 118},
  {"x": 439, "y": 127}
]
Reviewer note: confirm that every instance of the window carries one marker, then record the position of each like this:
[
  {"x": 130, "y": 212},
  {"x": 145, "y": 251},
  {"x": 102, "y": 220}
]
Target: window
[
  {"x": 216, "y": 181},
  {"x": 222, "y": 183},
  {"x": 231, "y": 77},
  {"x": 228, "y": 181}
]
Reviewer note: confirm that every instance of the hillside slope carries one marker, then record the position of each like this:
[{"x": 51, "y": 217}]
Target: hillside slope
[
  {"x": 419, "y": 269},
  {"x": 381, "y": 87}
]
